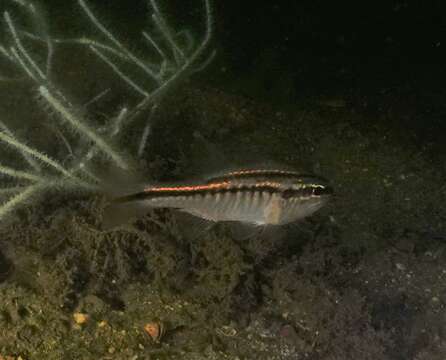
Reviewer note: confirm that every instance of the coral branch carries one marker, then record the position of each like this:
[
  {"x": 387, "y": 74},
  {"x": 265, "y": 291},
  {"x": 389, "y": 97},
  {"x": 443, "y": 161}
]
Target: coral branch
[{"x": 69, "y": 163}]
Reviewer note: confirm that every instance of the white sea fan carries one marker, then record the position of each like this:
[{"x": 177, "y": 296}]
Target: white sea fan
[{"x": 27, "y": 170}]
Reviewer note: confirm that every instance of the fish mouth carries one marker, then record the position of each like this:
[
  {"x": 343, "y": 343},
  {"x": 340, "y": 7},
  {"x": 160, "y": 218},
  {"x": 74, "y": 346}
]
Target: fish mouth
[{"x": 323, "y": 191}]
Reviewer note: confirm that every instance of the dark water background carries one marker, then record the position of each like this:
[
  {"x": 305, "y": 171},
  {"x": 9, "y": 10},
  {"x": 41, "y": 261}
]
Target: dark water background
[
  {"x": 322, "y": 46},
  {"x": 378, "y": 55},
  {"x": 340, "y": 46}
]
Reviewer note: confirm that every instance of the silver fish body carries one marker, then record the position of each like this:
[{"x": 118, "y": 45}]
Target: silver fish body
[{"x": 261, "y": 197}]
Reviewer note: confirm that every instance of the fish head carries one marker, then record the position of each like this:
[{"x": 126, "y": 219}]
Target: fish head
[{"x": 305, "y": 195}]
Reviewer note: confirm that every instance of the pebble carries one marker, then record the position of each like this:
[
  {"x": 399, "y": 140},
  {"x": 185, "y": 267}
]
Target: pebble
[{"x": 80, "y": 318}]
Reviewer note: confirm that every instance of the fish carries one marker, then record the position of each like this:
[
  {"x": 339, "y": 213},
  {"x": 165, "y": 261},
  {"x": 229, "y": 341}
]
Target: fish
[{"x": 252, "y": 196}]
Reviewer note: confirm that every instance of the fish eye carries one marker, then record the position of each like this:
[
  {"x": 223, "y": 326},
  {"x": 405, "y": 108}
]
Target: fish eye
[{"x": 322, "y": 190}]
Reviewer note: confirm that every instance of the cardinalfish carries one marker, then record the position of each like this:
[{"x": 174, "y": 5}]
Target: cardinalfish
[{"x": 259, "y": 197}]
